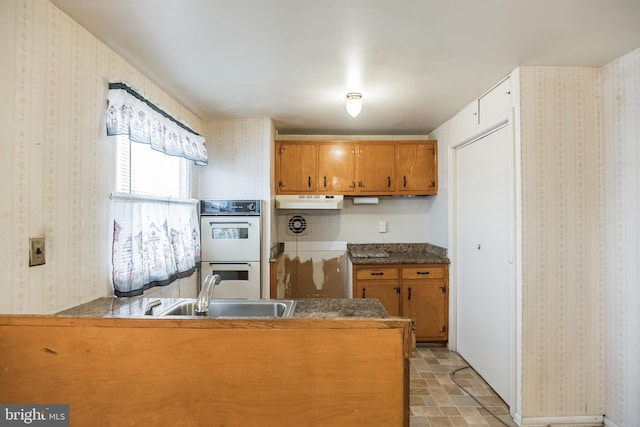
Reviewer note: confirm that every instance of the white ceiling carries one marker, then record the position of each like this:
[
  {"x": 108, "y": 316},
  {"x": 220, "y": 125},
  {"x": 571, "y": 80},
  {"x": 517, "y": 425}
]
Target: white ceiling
[{"x": 416, "y": 62}]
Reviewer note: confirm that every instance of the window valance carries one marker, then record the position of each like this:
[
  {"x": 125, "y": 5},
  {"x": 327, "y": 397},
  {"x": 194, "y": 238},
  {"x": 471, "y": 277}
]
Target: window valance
[{"x": 128, "y": 113}]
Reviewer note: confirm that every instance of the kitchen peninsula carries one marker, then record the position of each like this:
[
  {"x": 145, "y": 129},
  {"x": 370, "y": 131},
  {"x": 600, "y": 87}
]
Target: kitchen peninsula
[{"x": 115, "y": 366}]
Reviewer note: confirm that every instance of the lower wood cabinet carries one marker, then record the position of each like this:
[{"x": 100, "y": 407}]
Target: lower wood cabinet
[{"x": 418, "y": 291}]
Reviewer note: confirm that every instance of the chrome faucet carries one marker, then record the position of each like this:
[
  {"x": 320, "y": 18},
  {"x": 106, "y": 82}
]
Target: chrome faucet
[
  {"x": 148, "y": 310},
  {"x": 205, "y": 295}
]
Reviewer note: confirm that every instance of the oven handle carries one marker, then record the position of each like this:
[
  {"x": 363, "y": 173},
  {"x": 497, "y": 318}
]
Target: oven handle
[
  {"x": 230, "y": 222},
  {"x": 229, "y": 263}
]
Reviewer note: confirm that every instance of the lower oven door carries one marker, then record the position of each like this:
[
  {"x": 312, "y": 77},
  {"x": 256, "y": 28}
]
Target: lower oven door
[{"x": 239, "y": 279}]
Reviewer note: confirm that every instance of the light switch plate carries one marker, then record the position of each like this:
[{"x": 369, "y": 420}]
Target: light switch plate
[{"x": 36, "y": 251}]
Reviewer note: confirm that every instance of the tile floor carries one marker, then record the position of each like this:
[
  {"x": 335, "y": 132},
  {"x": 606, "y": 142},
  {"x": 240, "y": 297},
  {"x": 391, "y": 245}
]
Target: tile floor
[{"x": 436, "y": 401}]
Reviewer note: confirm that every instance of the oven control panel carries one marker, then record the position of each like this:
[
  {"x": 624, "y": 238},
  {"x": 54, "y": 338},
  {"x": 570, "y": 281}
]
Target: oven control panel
[{"x": 230, "y": 207}]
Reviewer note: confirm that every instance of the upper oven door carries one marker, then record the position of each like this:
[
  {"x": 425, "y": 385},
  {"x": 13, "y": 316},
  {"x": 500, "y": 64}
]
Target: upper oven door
[{"x": 230, "y": 238}]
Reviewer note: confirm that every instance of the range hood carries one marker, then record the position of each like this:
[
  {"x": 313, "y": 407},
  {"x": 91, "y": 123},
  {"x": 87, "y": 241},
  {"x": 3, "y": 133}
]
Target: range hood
[{"x": 309, "y": 201}]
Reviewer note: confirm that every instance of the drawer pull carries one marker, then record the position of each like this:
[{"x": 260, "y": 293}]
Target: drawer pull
[
  {"x": 409, "y": 293},
  {"x": 423, "y": 272},
  {"x": 364, "y": 291},
  {"x": 378, "y": 273}
]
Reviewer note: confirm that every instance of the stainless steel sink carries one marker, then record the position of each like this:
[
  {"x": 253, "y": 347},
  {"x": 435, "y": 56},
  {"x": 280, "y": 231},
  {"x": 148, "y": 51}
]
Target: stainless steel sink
[{"x": 234, "y": 308}]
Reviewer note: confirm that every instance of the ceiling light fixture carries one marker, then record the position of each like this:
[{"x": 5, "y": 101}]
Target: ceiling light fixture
[{"x": 354, "y": 103}]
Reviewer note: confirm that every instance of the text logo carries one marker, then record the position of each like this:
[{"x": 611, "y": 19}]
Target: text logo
[{"x": 34, "y": 415}]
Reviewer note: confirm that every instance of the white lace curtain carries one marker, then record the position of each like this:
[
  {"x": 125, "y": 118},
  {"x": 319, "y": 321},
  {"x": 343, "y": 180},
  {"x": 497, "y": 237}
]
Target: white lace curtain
[
  {"x": 154, "y": 243},
  {"x": 128, "y": 113}
]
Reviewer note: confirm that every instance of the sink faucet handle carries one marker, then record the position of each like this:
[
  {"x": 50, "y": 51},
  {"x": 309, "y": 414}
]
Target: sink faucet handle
[{"x": 148, "y": 311}]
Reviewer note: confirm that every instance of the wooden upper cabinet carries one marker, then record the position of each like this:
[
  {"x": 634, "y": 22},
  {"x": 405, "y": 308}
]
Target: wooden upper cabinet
[
  {"x": 372, "y": 168},
  {"x": 417, "y": 168},
  {"x": 376, "y": 168},
  {"x": 296, "y": 168},
  {"x": 336, "y": 168}
]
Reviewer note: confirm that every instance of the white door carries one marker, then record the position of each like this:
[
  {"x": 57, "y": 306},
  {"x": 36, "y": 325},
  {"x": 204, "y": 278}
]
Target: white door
[{"x": 485, "y": 235}]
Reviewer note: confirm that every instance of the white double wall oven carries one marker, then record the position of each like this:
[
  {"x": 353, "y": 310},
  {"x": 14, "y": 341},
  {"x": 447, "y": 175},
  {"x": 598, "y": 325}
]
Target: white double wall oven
[{"x": 231, "y": 246}]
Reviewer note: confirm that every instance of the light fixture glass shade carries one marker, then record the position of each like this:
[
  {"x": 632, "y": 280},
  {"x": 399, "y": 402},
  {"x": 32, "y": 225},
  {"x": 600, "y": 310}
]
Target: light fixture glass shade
[{"x": 354, "y": 103}]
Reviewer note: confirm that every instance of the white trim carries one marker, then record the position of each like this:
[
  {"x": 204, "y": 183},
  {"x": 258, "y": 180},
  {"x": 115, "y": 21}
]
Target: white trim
[
  {"x": 609, "y": 423},
  {"x": 139, "y": 198},
  {"x": 315, "y": 246},
  {"x": 498, "y": 126},
  {"x": 588, "y": 420}
]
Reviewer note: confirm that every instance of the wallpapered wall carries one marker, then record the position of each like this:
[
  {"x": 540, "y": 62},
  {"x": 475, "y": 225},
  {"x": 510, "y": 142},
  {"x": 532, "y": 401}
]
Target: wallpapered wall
[
  {"x": 561, "y": 371},
  {"x": 239, "y": 153},
  {"x": 56, "y": 171},
  {"x": 241, "y": 167},
  {"x": 621, "y": 131},
  {"x": 563, "y": 308}
]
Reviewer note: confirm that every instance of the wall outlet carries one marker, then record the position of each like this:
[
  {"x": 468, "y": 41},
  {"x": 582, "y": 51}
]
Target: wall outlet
[
  {"x": 36, "y": 251},
  {"x": 382, "y": 227}
]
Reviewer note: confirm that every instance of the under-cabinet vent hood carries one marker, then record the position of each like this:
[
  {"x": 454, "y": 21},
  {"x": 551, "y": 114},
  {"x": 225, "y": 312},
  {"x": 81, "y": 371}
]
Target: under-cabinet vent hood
[{"x": 309, "y": 201}]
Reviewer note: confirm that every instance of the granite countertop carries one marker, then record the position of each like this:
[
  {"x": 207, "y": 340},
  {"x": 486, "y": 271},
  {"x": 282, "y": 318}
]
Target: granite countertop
[
  {"x": 324, "y": 308},
  {"x": 397, "y": 253},
  {"x": 317, "y": 308}
]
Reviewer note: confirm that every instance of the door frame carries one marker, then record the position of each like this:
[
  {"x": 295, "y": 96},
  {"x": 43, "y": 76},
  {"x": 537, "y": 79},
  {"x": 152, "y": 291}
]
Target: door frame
[{"x": 516, "y": 253}]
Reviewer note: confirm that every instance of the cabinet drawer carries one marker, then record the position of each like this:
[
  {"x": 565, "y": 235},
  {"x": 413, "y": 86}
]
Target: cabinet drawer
[
  {"x": 423, "y": 272},
  {"x": 384, "y": 273}
]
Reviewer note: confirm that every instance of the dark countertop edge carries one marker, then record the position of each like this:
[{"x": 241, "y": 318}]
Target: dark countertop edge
[{"x": 318, "y": 308}]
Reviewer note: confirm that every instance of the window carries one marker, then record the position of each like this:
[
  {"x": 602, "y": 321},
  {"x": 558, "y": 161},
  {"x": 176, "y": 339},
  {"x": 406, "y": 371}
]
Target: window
[{"x": 143, "y": 171}]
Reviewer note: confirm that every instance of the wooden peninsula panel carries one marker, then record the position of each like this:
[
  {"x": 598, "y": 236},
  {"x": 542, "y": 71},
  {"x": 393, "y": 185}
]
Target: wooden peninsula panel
[{"x": 195, "y": 372}]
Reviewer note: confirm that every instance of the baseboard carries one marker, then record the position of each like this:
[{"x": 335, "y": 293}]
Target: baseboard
[{"x": 574, "y": 421}]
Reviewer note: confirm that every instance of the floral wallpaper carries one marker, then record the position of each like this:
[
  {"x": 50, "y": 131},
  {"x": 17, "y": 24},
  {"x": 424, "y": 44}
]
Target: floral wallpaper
[{"x": 58, "y": 168}]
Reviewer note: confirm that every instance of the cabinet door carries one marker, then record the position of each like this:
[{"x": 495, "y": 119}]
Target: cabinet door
[
  {"x": 376, "y": 168},
  {"x": 417, "y": 168},
  {"x": 494, "y": 106},
  {"x": 388, "y": 293},
  {"x": 426, "y": 303},
  {"x": 296, "y": 168},
  {"x": 336, "y": 168}
]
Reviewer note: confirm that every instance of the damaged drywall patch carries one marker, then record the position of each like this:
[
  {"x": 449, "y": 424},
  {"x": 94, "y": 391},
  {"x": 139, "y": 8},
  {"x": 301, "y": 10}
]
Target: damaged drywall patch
[{"x": 317, "y": 277}]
